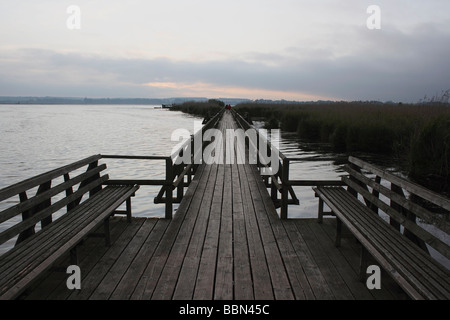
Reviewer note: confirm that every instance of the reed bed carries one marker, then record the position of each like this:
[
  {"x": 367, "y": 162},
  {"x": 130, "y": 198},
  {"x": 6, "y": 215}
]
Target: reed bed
[{"x": 417, "y": 135}]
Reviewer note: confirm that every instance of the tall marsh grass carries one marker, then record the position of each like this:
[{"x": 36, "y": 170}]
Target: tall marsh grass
[
  {"x": 416, "y": 134},
  {"x": 200, "y": 108}
]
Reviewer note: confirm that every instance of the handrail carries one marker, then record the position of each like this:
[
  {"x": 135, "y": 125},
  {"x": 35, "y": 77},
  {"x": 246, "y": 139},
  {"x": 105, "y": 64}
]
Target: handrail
[
  {"x": 286, "y": 186},
  {"x": 35, "y": 181},
  {"x": 424, "y": 193},
  {"x": 167, "y": 184}
]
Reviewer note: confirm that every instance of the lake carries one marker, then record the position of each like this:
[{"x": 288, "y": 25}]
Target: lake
[{"x": 39, "y": 138}]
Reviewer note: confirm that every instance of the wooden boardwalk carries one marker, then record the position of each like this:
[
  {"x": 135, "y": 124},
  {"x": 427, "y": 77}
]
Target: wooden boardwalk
[{"x": 225, "y": 241}]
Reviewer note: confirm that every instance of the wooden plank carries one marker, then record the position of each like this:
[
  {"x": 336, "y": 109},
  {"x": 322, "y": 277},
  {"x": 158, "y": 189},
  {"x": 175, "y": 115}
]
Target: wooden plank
[
  {"x": 45, "y": 251},
  {"x": 30, "y": 183},
  {"x": 40, "y": 245},
  {"x": 53, "y": 285},
  {"x": 204, "y": 287},
  {"x": 141, "y": 182},
  {"x": 37, "y": 248},
  {"x": 243, "y": 285},
  {"x": 409, "y": 259},
  {"x": 341, "y": 276},
  {"x": 132, "y": 275},
  {"x": 16, "y": 229},
  {"x": 262, "y": 284},
  {"x": 407, "y": 204},
  {"x": 410, "y": 225},
  {"x": 39, "y": 198},
  {"x": 424, "y": 193},
  {"x": 315, "y": 278},
  {"x": 56, "y": 250},
  {"x": 385, "y": 257},
  {"x": 308, "y": 183},
  {"x": 224, "y": 271},
  {"x": 104, "y": 265},
  {"x": 280, "y": 282},
  {"x": 157, "y": 264},
  {"x": 187, "y": 252},
  {"x": 297, "y": 278},
  {"x": 332, "y": 277},
  {"x": 121, "y": 265},
  {"x": 107, "y": 156},
  {"x": 380, "y": 258}
]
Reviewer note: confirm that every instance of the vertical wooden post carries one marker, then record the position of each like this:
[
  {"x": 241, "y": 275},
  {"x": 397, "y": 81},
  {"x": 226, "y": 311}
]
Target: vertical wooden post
[
  {"x": 180, "y": 187},
  {"x": 92, "y": 166},
  {"x": 69, "y": 191},
  {"x": 320, "y": 212},
  {"x": 337, "y": 241},
  {"x": 395, "y": 206},
  {"x": 25, "y": 215},
  {"x": 376, "y": 193},
  {"x": 128, "y": 208},
  {"x": 285, "y": 189},
  {"x": 363, "y": 264},
  {"x": 169, "y": 190},
  {"x": 192, "y": 170},
  {"x": 409, "y": 215},
  {"x": 47, "y": 203},
  {"x": 273, "y": 188}
]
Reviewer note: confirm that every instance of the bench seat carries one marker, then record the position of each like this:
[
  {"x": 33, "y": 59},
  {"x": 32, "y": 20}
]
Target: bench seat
[
  {"x": 419, "y": 274},
  {"x": 21, "y": 265}
]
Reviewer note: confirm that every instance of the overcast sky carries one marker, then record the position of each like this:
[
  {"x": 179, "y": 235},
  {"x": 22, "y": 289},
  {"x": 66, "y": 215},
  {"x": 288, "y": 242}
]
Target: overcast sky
[{"x": 283, "y": 49}]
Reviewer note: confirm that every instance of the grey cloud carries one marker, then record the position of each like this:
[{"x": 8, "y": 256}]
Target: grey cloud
[{"x": 385, "y": 65}]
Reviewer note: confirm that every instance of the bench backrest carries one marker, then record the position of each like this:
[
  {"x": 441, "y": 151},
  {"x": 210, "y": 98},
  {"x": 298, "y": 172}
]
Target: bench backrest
[
  {"x": 402, "y": 201},
  {"x": 55, "y": 184}
]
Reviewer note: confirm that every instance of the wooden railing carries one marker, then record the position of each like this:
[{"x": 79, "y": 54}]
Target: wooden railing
[
  {"x": 279, "y": 182},
  {"x": 43, "y": 204},
  {"x": 178, "y": 174}
]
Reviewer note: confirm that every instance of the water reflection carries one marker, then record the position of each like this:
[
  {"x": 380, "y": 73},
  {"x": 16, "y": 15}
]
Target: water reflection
[{"x": 36, "y": 139}]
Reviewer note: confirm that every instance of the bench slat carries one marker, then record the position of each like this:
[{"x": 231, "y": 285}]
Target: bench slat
[
  {"x": 115, "y": 198},
  {"x": 30, "y": 222},
  {"x": 31, "y": 246},
  {"x": 424, "y": 193},
  {"x": 30, "y": 183},
  {"x": 31, "y": 202},
  {"x": 407, "y": 256},
  {"x": 421, "y": 212},
  {"x": 369, "y": 246},
  {"x": 429, "y": 238},
  {"x": 381, "y": 240}
]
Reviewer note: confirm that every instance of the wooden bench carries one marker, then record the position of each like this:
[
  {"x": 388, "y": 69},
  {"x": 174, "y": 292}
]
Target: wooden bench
[
  {"x": 63, "y": 223},
  {"x": 380, "y": 209}
]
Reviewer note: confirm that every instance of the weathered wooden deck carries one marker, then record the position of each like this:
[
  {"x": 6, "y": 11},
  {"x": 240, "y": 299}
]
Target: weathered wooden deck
[{"x": 224, "y": 242}]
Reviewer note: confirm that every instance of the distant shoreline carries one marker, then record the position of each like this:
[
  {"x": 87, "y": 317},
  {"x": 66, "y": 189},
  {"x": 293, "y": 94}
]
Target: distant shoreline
[{"x": 107, "y": 101}]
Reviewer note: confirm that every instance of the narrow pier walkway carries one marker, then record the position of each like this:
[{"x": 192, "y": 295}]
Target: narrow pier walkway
[{"x": 225, "y": 241}]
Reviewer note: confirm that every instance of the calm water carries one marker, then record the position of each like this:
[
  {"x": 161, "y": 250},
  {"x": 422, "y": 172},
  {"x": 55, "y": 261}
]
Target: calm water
[
  {"x": 35, "y": 139},
  {"x": 38, "y": 138}
]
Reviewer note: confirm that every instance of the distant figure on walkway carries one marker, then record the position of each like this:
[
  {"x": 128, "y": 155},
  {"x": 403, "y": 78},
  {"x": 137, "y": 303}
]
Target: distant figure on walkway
[{"x": 228, "y": 107}]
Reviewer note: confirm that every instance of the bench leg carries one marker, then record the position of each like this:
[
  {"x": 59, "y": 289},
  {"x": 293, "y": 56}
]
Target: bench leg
[
  {"x": 363, "y": 264},
  {"x": 129, "y": 209},
  {"x": 107, "y": 233},
  {"x": 320, "y": 213},
  {"x": 338, "y": 232},
  {"x": 74, "y": 256}
]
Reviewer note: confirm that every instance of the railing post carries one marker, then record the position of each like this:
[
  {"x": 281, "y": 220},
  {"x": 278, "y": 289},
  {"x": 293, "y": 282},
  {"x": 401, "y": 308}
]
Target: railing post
[
  {"x": 285, "y": 189},
  {"x": 180, "y": 187},
  {"x": 169, "y": 190}
]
